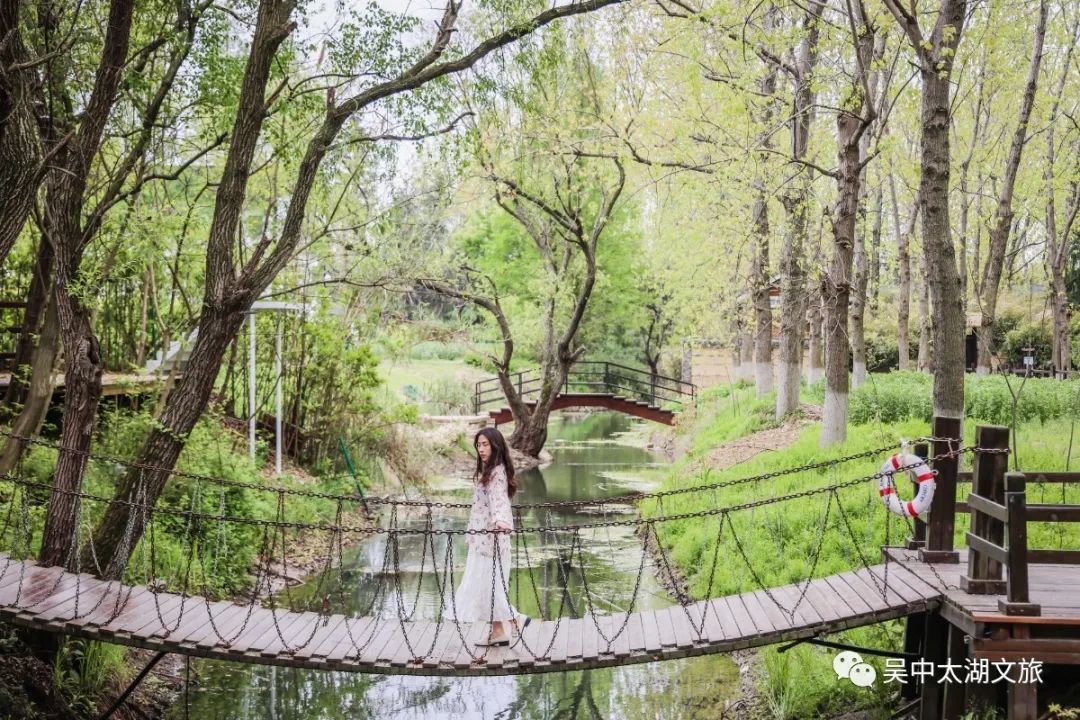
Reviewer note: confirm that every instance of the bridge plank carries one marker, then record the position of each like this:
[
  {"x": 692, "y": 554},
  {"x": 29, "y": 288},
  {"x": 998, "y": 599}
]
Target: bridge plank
[
  {"x": 453, "y": 645},
  {"x": 108, "y": 622},
  {"x": 666, "y": 628},
  {"x": 679, "y": 624},
  {"x": 421, "y": 637},
  {"x": 361, "y": 642},
  {"x": 39, "y": 585},
  {"x": 743, "y": 619},
  {"x": 166, "y": 609},
  {"x": 868, "y": 587},
  {"x": 356, "y": 636},
  {"x": 575, "y": 637},
  {"x": 761, "y": 618},
  {"x": 900, "y": 590},
  {"x": 329, "y": 626},
  {"x": 635, "y": 633},
  {"x": 393, "y": 643},
  {"x": 295, "y": 631},
  {"x": 653, "y": 642},
  {"x": 828, "y": 607},
  {"x": 225, "y": 629},
  {"x": 621, "y": 624},
  {"x": 713, "y": 629},
  {"x": 258, "y": 625},
  {"x": 89, "y": 601},
  {"x": 198, "y": 626},
  {"x": 469, "y": 652},
  {"x": 69, "y": 586},
  {"x": 443, "y": 636},
  {"x": 541, "y": 639},
  {"x": 856, "y": 602}
]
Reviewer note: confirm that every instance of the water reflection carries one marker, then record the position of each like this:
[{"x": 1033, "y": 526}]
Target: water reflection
[{"x": 589, "y": 462}]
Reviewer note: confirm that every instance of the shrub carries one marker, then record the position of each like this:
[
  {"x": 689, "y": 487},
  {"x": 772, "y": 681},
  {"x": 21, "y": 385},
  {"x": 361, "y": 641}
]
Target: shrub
[{"x": 1034, "y": 336}]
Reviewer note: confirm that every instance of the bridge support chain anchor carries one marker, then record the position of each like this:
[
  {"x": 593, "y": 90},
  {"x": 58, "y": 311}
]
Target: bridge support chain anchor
[
  {"x": 134, "y": 684},
  {"x": 815, "y": 640}
]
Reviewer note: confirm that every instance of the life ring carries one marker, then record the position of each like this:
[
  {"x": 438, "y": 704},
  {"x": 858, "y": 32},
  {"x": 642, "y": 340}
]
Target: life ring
[{"x": 923, "y": 476}]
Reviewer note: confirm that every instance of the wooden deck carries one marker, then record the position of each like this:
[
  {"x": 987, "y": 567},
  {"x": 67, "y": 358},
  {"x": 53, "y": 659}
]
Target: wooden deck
[
  {"x": 112, "y": 384},
  {"x": 377, "y": 645},
  {"x": 1053, "y": 636}
]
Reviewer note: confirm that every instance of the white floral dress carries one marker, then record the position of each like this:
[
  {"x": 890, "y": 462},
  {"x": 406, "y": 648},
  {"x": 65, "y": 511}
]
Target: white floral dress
[{"x": 485, "y": 569}]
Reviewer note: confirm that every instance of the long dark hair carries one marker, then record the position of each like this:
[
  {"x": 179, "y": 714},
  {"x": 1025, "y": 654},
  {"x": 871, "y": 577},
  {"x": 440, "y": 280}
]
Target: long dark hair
[{"x": 500, "y": 455}]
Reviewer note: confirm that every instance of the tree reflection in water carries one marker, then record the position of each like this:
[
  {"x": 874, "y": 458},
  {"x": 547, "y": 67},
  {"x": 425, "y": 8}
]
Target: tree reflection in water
[{"x": 588, "y": 463}]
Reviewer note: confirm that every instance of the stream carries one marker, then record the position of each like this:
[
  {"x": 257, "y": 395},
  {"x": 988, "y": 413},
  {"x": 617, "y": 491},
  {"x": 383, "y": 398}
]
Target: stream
[{"x": 590, "y": 460}]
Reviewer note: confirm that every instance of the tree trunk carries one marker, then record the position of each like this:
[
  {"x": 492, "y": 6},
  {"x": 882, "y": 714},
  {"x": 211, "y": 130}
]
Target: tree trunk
[
  {"x": 39, "y": 391},
  {"x": 926, "y": 325},
  {"x": 37, "y": 298},
  {"x": 165, "y": 441},
  {"x": 1058, "y": 246},
  {"x": 746, "y": 353},
  {"x": 20, "y": 142},
  {"x": 849, "y": 129},
  {"x": 815, "y": 369},
  {"x": 792, "y": 273},
  {"x": 862, "y": 278},
  {"x": 936, "y": 53},
  {"x": 943, "y": 280},
  {"x": 759, "y": 271},
  {"x": 903, "y": 300},
  {"x": 999, "y": 234}
]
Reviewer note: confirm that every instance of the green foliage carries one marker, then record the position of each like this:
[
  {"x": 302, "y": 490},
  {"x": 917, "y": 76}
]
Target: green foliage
[
  {"x": 84, "y": 669},
  {"x": 898, "y": 396},
  {"x": 1035, "y": 336}
]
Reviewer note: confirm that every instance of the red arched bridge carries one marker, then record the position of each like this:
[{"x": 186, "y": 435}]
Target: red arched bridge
[{"x": 593, "y": 383}]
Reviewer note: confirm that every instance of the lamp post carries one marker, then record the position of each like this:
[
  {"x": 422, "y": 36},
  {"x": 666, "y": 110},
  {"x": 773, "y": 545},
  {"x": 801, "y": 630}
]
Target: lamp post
[{"x": 271, "y": 306}]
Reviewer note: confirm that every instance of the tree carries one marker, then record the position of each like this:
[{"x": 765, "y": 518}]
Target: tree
[
  {"x": 795, "y": 200},
  {"x": 852, "y": 121},
  {"x": 565, "y": 221},
  {"x": 232, "y": 283},
  {"x": 1003, "y": 217},
  {"x": 935, "y": 54}
]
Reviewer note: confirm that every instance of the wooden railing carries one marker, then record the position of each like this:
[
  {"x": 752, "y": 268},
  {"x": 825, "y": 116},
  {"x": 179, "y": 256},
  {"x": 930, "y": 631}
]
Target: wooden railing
[
  {"x": 1000, "y": 513},
  {"x": 589, "y": 376}
]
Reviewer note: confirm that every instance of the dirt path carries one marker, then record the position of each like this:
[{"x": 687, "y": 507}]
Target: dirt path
[{"x": 749, "y": 446}]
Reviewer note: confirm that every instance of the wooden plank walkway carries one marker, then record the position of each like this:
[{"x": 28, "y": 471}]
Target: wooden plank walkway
[
  {"x": 45, "y": 599},
  {"x": 1055, "y": 587}
]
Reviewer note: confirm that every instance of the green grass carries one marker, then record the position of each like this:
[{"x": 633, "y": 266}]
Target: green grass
[
  {"x": 790, "y": 541},
  {"x": 414, "y": 380}
]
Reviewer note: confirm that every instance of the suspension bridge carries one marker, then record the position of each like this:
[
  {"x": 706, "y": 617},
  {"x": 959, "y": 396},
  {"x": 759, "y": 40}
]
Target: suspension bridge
[
  {"x": 996, "y": 598},
  {"x": 592, "y": 383}
]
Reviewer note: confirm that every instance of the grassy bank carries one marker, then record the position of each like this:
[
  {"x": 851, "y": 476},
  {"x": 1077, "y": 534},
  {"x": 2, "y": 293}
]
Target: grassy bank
[
  {"x": 84, "y": 674},
  {"x": 820, "y": 534}
]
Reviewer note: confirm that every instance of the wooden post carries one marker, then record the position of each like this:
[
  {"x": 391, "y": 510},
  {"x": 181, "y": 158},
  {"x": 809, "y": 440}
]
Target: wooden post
[
  {"x": 1023, "y": 700},
  {"x": 955, "y": 691},
  {"x": 914, "y": 628},
  {"x": 939, "y": 536},
  {"x": 918, "y": 539},
  {"x": 1016, "y": 501},
  {"x": 988, "y": 481},
  {"x": 934, "y": 651}
]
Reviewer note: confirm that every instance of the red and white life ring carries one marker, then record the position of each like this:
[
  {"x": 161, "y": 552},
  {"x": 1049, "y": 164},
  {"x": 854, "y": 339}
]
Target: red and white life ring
[{"x": 922, "y": 474}]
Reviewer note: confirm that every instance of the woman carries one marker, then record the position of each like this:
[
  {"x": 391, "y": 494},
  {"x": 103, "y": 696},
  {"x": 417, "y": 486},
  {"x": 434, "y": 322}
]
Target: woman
[{"x": 482, "y": 597}]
